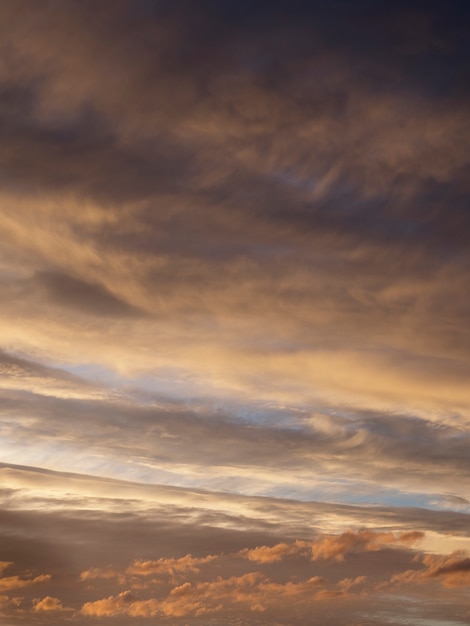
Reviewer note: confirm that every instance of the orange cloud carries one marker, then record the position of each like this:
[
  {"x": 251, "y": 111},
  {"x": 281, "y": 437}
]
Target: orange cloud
[
  {"x": 163, "y": 567},
  {"x": 113, "y": 605},
  {"x": 335, "y": 547},
  {"x": 170, "y": 567},
  {"x": 15, "y": 582},
  {"x": 251, "y": 591},
  {"x": 453, "y": 571},
  {"x": 271, "y": 554},
  {"x": 99, "y": 572},
  {"x": 6, "y": 602},
  {"x": 450, "y": 571},
  {"x": 197, "y": 599},
  {"x": 332, "y": 547},
  {"x": 48, "y": 604}
]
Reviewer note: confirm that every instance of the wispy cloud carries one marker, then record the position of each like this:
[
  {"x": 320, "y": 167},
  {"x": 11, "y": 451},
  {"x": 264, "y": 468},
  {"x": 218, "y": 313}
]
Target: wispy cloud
[{"x": 233, "y": 311}]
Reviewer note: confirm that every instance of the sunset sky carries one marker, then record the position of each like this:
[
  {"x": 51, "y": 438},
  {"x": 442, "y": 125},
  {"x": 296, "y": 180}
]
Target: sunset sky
[{"x": 234, "y": 313}]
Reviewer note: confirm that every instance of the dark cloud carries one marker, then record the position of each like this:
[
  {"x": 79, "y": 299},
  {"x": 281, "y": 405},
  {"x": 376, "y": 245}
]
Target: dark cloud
[
  {"x": 82, "y": 155},
  {"x": 463, "y": 565},
  {"x": 79, "y": 295}
]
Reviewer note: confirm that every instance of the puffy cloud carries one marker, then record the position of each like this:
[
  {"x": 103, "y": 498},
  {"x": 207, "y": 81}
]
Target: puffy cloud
[
  {"x": 99, "y": 573},
  {"x": 171, "y": 567},
  {"x": 271, "y": 554},
  {"x": 110, "y": 606},
  {"x": 18, "y": 581},
  {"x": 451, "y": 571},
  {"x": 454, "y": 571},
  {"x": 336, "y": 547},
  {"x": 163, "y": 568},
  {"x": 47, "y": 604},
  {"x": 254, "y": 593},
  {"x": 251, "y": 590},
  {"x": 7, "y": 602},
  {"x": 333, "y": 547}
]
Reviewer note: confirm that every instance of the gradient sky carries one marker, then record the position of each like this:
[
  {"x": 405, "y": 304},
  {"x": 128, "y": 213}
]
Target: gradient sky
[{"x": 234, "y": 313}]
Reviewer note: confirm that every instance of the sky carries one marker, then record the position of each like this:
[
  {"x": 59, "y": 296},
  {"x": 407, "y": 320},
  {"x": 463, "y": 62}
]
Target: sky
[{"x": 234, "y": 313}]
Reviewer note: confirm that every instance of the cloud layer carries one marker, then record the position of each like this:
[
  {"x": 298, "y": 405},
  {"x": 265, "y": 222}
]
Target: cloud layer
[
  {"x": 180, "y": 555},
  {"x": 233, "y": 297}
]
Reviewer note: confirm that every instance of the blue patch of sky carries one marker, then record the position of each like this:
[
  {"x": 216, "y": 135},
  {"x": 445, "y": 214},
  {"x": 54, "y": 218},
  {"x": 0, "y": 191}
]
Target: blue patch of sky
[
  {"x": 173, "y": 385},
  {"x": 166, "y": 385},
  {"x": 352, "y": 492},
  {"x": 95, "y": 373}
]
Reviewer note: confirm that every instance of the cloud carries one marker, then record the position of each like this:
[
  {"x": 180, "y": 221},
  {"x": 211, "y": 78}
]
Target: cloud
[
  {"x": 44, "y": 493},
  {"x": 24, "y": 375},
  {"x": 216, "y": 596},
  {"x": 451, "y": 571},
  {"x": 10, "y": 603},
  {"x": 163, "y": 437},
  {"x": 336, "y": 548},
  {"x": 271, "y": 554},
  {"x": 233, "y": 312},
  {"x": 252, "y": 558},
  {"x": 96, "y": 572},
  {"x": 255, "y": 593},
  {"x": 79, "y": 295},
  {"x": 19, "y": 581},
  {"x": 169, "y": 567},
  {"x": 172, "y": 568},
  {"x": 48, "y": 604},
  {"x": 123, "y": 603},
  {"x": 333, "y": 547}
]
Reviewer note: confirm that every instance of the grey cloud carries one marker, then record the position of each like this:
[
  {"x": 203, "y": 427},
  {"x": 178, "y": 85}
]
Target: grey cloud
[
  {"x": 19, "y": 375},
  {"x": 89, "y": 149},
  {"x": 372, "y": 447},
  {"x": 281, "y": 519},
  {"x": 12, "y": 365},
  {"x": 84, "y": 157},
  {"x": 235, "y": 162},
  {"x": 79, "y": 295}
]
